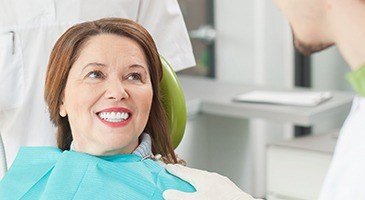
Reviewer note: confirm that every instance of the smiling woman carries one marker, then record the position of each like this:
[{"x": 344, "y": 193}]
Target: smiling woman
[
  {"x": 107, "y": 96},
  {"x": 102, "y": 90},
  {"x": 106, "y": 64}
]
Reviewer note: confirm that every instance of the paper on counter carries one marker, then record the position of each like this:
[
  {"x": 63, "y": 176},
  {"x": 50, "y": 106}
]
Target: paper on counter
[{"x": 284, "y": 98}]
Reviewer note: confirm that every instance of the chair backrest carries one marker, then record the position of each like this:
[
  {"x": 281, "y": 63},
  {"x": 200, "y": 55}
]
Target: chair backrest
[{"x": 174, "y": 103}]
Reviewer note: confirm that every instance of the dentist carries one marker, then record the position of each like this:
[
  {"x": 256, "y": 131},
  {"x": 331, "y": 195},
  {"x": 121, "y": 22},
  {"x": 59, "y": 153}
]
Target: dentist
[{"x": 316, "y": 24}]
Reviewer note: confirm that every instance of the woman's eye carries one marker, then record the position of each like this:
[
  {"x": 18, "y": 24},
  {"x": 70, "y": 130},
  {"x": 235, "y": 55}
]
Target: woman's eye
[
  {"x": 134, "y": 76},
  {"x": 95, "y": 75}
]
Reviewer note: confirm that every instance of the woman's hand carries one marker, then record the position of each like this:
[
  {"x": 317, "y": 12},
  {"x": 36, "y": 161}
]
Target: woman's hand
[{"x": 209, "y": 186}]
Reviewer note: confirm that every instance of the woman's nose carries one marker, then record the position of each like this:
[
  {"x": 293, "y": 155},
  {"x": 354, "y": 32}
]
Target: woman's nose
[{"x": 116, "y": 91}]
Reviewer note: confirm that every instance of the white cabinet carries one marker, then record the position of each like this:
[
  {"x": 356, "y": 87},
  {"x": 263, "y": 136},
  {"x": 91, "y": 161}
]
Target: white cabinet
[{"x": 296, "y": 169}]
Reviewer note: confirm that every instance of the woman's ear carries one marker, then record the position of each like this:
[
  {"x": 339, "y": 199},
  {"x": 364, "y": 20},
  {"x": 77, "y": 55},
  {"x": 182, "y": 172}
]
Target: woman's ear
[{"x": 63, "y": 112}]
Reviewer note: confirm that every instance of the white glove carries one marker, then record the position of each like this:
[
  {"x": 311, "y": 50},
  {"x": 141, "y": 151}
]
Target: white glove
[{"x": 209, "y": 186}]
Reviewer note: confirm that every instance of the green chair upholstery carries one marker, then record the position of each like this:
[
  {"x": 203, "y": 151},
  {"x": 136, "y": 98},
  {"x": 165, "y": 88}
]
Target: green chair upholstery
[{"x": 174, "y": 102}]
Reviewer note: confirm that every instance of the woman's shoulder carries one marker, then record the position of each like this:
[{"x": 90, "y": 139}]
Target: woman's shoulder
[
  {"x": 32, "y": 159},
  {"x": 37, "y": 155},
  {"x": 31, "y": 165},
  {"x": 39, "y": 149},
  {"x": 165, "y": 180}
]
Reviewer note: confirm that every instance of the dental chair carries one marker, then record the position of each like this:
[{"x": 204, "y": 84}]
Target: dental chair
[
  {"x": 174, "y": 103},
  {"x": 173, "y": 100}
]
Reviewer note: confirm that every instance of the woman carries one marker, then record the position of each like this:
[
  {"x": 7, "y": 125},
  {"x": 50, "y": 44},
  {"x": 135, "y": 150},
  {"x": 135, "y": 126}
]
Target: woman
[{"x": 102, "y": 90}]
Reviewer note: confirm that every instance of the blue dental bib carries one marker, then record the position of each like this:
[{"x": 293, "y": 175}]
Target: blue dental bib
[{"x": 49, "y": 173}]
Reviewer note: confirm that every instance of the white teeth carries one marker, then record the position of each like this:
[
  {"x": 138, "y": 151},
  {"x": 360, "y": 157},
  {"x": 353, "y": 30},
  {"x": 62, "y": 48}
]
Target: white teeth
[{"x": 113, "y": 116}]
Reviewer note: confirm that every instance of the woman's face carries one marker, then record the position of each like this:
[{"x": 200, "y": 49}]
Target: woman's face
[{"x": 108, "y": 96}]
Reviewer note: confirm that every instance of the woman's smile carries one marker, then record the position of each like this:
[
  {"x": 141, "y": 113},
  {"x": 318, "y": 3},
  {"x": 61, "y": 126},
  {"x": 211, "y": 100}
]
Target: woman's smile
[{"x": 115, "y": 117}]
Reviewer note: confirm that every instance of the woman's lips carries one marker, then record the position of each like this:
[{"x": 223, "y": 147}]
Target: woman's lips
[
  {"x": 115, "y": 117},
  {"x": 116, "y": 124}
]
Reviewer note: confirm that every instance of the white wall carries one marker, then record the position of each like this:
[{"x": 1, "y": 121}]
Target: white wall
[
  {"x": 253, "y": 47},
  {"x": 261, "y": 55},
  {"x": 235, "y": 40},
  {"x": 328, "y": 73},
  {"x": 328, "y": 70}
]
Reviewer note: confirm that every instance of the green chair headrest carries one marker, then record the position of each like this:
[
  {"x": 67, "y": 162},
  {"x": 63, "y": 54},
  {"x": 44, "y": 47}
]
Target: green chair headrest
[{"x": 173, "y": 100}]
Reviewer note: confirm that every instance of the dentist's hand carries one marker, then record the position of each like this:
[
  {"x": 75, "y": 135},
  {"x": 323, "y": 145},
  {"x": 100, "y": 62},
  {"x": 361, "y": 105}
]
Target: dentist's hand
[{"x": 209, "y": 186}]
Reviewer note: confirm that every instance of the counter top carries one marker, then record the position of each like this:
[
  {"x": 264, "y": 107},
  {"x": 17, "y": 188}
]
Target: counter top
[{"x": 204, "y": 95}]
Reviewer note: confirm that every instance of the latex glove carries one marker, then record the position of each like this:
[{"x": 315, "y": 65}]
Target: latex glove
[{"x": 209, "y": 186}]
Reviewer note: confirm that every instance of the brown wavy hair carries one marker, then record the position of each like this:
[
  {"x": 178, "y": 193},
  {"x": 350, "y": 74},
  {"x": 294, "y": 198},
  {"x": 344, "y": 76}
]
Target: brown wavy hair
[{"x": 65, "y": 53}]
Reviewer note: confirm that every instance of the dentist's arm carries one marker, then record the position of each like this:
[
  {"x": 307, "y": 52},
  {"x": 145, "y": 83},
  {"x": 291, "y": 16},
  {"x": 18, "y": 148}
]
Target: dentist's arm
[{"x": 209, "y": 186}]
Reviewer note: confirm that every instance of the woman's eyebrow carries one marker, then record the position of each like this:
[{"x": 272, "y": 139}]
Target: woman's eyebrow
[
  {"x": 137, "y": 66},
  {"x": 94, "y": 64}
]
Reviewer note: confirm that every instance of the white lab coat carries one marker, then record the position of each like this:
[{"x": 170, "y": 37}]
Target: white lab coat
[
  {"x": 346, "y": 175},
  {"x": 28, "y": 31}
]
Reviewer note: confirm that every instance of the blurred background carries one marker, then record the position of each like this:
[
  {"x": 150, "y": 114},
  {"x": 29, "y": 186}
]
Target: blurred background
[{"x": 250, "y": 42}]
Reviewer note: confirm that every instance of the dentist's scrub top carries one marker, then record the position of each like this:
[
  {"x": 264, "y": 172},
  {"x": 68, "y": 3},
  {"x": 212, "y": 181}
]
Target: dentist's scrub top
[
  {"x": 346, "y": 176},
  {"x": 47, "y": 173},
  {"x": 28, "y": 31}
]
